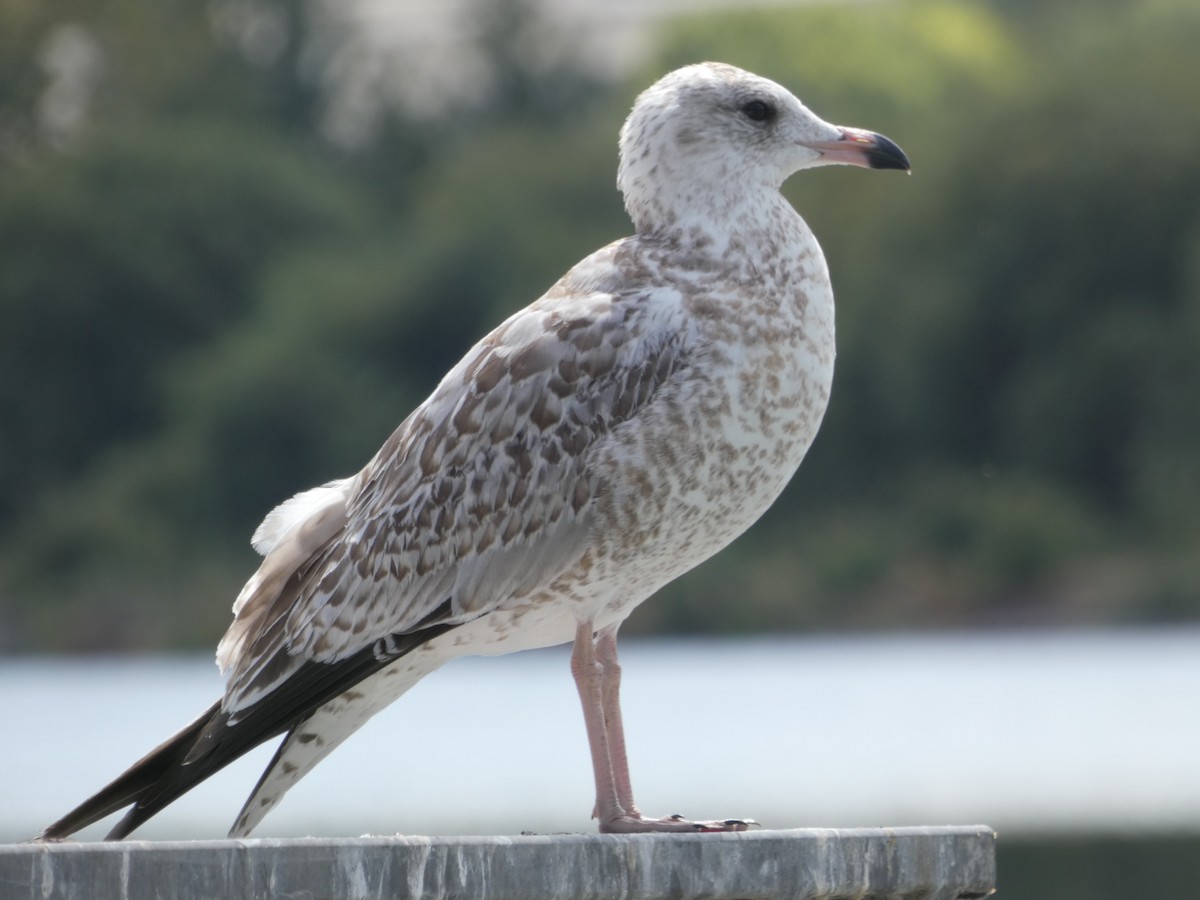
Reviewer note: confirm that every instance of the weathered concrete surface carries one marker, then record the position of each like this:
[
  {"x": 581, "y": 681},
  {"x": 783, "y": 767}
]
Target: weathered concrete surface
[{"x": 946, "y": 863}]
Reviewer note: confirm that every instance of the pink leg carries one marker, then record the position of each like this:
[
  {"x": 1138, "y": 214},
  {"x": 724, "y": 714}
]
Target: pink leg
[
  {"x": 588, "y": 681},
  {"x": 606, "y": 655},
  {"x": 598, "y": 679}
]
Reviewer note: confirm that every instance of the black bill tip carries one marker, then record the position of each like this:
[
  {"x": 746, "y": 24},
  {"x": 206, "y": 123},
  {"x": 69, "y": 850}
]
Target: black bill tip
[{"x": 886, "y": 154}]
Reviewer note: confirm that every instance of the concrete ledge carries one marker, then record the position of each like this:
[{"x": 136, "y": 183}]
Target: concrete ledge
[{"x": 948, "y": 863}]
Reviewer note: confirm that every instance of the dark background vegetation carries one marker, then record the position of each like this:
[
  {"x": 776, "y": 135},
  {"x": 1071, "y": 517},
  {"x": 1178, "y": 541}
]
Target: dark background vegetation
[{"x": 209, "y": 301}]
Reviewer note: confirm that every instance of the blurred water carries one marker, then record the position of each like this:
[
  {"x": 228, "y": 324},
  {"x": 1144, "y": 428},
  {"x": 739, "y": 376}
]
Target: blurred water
[{"x": 1025, "y": 732}]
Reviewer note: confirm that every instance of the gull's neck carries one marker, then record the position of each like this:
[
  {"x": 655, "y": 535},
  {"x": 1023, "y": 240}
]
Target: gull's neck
[{"x": 727, "y": 226}]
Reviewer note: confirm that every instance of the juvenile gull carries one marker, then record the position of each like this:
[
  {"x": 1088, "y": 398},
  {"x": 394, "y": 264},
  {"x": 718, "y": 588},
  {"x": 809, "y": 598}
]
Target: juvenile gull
[{"x": 596, "y": 445}]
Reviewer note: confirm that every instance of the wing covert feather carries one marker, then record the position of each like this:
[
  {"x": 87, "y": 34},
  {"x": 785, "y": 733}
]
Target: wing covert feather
[{"x": 482, "y": 497}]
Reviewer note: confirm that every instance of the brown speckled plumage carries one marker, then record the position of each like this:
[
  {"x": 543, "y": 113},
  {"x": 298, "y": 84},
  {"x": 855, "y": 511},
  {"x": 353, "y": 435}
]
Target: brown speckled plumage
[{"x": 599, "y": 443}]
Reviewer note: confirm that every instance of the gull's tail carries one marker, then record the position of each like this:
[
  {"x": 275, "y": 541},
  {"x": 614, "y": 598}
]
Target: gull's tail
[
  {"x": 213, "y": 741},
  {"x": 150, "y": 784}
]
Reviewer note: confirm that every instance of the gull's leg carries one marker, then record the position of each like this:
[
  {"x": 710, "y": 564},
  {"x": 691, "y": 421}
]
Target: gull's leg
[
  {"x": 610, "y": 690},
  {"x": 598, "y": 678},
  {"x": 588, "y": 675}
]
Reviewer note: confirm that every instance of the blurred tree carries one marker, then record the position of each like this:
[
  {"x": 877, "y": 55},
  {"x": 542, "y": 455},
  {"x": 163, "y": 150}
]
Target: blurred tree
[
  {"x": 534, "y": 75},
  {"x": 120, "y": 259},
  {"x": 210, "y": 302}
]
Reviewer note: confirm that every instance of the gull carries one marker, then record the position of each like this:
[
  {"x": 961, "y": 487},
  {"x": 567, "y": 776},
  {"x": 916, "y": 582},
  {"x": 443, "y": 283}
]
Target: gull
[{"x": 596, "y": 445}]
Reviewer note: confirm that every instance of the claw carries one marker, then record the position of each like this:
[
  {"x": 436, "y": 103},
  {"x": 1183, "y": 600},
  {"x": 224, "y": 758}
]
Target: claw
[
  {"x": 727, "y": 825},
  {"x": 629, "y": 824}
]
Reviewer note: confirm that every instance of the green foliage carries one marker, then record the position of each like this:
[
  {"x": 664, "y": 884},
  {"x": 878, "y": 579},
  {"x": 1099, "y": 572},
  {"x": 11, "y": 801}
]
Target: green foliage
[
  {"x": 123, "y": 258},
  {"x": 208, "y": 307}
]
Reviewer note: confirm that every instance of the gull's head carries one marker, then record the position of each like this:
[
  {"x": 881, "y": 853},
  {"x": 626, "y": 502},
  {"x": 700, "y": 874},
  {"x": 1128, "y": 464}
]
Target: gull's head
[{"x": 713, "y": 132}]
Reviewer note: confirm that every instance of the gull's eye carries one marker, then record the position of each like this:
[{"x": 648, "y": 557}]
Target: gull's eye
[{"x": 758, "y": 110}]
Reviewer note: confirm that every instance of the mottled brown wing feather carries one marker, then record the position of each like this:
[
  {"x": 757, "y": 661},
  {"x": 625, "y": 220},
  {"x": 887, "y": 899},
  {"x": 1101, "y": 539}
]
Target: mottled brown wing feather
[{"x": 481, "y": 497}]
